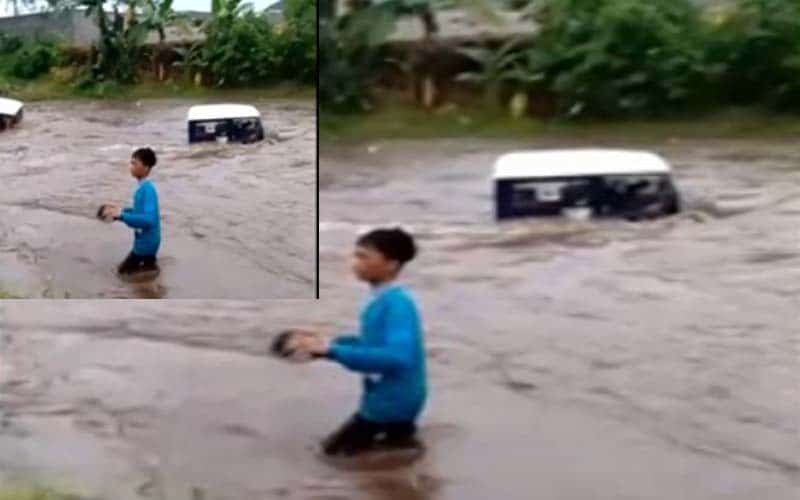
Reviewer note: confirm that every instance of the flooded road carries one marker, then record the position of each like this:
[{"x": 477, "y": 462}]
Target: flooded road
[
  {"x": 674, "y": 341},
  {"x": 567, "y": 360},
  {"x": 238, "y": 221}
]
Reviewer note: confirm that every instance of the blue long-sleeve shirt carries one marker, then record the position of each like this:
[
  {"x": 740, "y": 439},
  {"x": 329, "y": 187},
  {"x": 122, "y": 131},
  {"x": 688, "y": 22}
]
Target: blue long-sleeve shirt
[
  {"x": 145, "y": 219},
  {"x": 389, "y": 351}
]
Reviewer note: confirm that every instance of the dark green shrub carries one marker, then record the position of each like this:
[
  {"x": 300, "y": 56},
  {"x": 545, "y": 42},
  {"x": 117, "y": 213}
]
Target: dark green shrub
[
  {"x": 619, "y": 57},
  {"x": 754, "y": 50},
  {"x": 33, "y": 60},
  {"x": 9, "y": 44}
]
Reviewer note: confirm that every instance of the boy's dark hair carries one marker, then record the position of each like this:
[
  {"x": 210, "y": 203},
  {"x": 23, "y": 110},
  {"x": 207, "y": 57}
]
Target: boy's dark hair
[
  {"x": 145, "y": 155},
  {"x": 394, "y": 244}
]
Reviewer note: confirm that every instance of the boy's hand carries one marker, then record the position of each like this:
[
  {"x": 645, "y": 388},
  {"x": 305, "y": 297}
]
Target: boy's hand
[
  {"x": 113, "y": 211},
  {"x": 309, "y": 342}
]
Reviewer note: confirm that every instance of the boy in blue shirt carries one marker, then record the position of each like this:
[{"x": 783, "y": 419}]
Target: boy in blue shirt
[
  {"x": 143, "y": 217},
  {"x": 388, "y": 351}
]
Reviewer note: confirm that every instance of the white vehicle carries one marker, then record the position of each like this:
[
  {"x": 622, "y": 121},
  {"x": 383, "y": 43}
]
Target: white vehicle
[
  {"x": 604, "y": 182},
  {"x": 224, "y": 123},
  {"x": 11, "y": 112}
]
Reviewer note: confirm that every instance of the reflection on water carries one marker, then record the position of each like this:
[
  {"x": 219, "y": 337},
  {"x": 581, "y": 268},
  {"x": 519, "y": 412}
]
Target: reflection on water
[{"x": 237, "y": 220}]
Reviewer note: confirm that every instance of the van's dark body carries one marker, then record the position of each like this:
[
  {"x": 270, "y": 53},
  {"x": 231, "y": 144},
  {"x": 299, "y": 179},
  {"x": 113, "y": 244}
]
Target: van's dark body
[
  {"x": 632, "y": 197},
  {"x": 243, "y": 130},
  {"x": 8, "y": 121}
]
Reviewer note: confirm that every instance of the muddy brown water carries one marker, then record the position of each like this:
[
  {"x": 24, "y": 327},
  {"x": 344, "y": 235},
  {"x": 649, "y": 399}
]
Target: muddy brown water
[
  {"x": 238, "y": 221},
  {"x": 675, "y": 341},
  {"x": 567, "y": 360}
]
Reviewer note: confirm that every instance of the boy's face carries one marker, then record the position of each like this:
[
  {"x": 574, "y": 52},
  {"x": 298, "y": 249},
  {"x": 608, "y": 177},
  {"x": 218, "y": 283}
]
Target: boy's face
[
  {"x": 372, "y": 266},
  {"x": 138, "y": 169}
]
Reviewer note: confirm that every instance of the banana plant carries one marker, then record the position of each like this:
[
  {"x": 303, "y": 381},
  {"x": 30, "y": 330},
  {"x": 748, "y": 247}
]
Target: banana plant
[
  {"x": 421, "y": 9},
  {"x": 498, "y": 68},
  {"x": 157, "y": 15},
  {"x": 391, "y": 11},
  {"x": 118, "y": 49}
]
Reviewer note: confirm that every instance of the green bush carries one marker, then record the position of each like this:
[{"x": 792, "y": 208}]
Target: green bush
[
  {"x": 601, "y": 58},
  {"x": 242, "y": 48},
  {"x": 33, "y": 60},
  {"x": 26, "y": 59},
  {"x": 297, "y": 44},
  {"x": 9, "y": 44},
  {"x": 754, "y": 50},
  {"x": 620, "y": 57},
  {"x": 350, "y": 58},
  {"x": 240, "y": 51}
]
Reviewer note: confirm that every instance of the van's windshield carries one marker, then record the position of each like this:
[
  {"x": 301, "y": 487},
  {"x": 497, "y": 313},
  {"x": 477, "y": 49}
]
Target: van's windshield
[
  {"x": 234, "y": 129},
  {"x": 605, "y": 195}
]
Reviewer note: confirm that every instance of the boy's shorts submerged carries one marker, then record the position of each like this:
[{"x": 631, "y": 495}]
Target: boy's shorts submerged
[
  {"x": 359, "y": 434},
  {"x": 134, "y": 263}
]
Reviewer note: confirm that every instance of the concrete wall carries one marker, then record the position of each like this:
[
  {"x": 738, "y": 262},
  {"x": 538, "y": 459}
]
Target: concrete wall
[
  {"x": 71, "y": 27},
  {"x": 75, "y": 28}
]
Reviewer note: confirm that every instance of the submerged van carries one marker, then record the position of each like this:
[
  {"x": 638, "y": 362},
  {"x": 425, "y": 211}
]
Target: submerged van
[
  {"x": 11, "y": 112},
  {"x": 596, "y": 182},
  {"x": 224, "y": 123}
]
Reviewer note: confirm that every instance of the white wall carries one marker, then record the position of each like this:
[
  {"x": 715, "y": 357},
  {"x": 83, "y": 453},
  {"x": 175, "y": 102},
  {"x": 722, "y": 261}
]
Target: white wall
[{"x": 200, "y": 5}]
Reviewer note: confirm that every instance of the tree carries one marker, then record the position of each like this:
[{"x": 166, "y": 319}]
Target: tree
[
  {"x": 157, "y": 15},
  {"x": 119, "y": 48}
]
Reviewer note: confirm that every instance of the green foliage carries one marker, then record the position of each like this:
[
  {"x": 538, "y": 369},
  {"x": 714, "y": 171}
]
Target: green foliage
[
  {"x": 754, "y": 51},
  {"x": 26, "y": 59},
  {"x": 157, "y": 15},
  {"x": 119, "y": 50},
  {"x": 349, "y": 56},
  {"x": 9, "y": 44},
  {"x": 501, "y": 68},
  {"x": 33, "y": 61},
  {"x": 619, "y": 57},
  {"x": 600, "y": 58},
  {"x": 238, "y": 49},
  {"x": 297, "y": 44},
  {"x": 242, "y": 48}
]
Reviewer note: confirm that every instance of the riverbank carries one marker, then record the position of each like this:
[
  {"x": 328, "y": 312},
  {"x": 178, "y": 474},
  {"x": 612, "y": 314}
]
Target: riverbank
[
  {"x": 402, "y": 121},
  {"x": 47, "y": 88}
]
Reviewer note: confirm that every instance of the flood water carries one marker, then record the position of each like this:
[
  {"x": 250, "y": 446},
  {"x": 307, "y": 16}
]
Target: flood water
[
  {"x": 238, "y": 221},
  {"x": 567, "y": 360}
]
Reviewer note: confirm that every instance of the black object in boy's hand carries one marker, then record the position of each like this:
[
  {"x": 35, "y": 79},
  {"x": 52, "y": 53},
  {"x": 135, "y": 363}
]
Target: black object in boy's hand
[
  {"x": 284, "y": 345},
  {"x": 102, "y": 213},
  {"x": 280, "y": 345}
]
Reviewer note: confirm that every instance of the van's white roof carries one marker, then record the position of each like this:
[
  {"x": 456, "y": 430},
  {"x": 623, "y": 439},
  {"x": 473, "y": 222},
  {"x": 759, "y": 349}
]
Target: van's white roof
[
  {"x": 577, "y": 162},
  {"x": 221, "y": 111},
  {"x": 9, "y": 106}
]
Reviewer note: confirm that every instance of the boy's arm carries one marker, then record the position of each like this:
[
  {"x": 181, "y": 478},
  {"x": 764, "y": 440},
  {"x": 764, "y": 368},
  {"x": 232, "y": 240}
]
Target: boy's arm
[
  {"x": 346, "y": 340},
  {"x": 147, "y": 217},
  {"x": 395, "y": 353}
]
